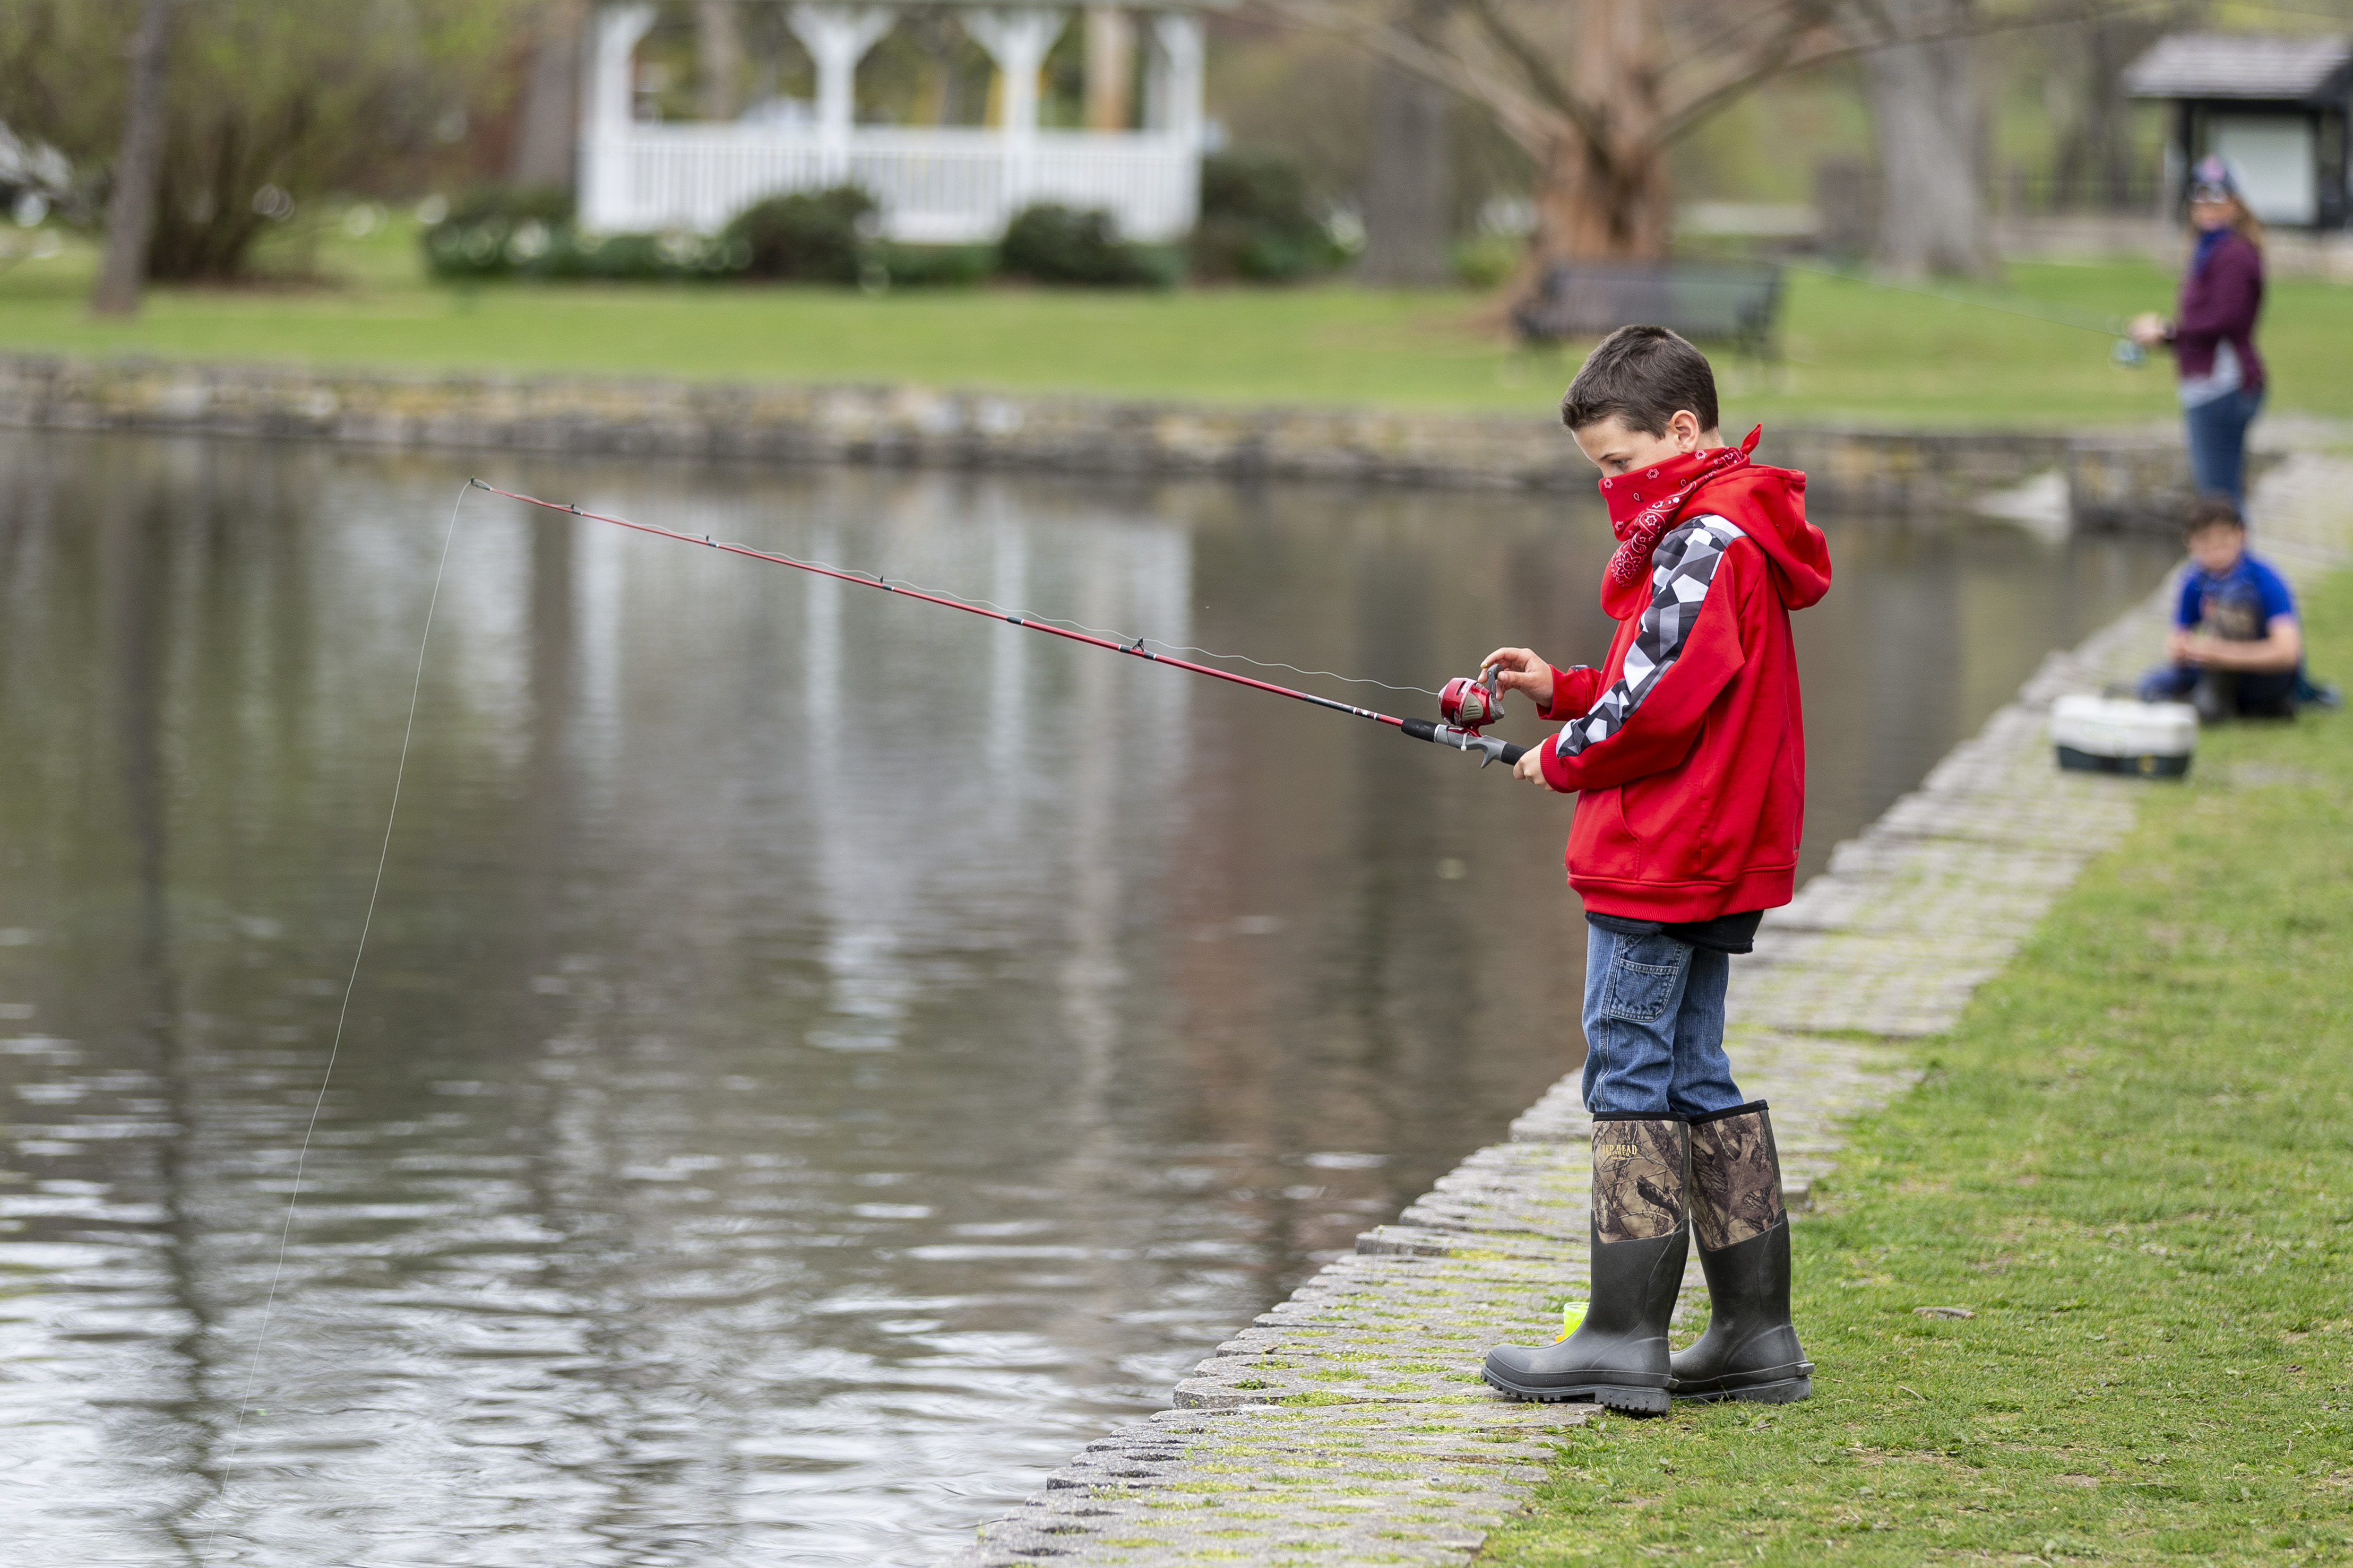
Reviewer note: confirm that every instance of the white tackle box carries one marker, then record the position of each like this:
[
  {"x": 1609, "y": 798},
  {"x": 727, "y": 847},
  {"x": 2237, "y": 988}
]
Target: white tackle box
[{"x": 2119, "y": 735}]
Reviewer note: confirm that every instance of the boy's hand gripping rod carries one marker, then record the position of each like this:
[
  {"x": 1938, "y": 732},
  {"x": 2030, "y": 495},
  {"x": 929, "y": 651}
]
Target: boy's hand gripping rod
[{"x": 1469, "y": 703}]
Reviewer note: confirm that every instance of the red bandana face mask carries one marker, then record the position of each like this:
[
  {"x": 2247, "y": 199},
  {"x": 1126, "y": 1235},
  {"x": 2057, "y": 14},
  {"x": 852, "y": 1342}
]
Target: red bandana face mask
[{"x": 1642, "y": 502}]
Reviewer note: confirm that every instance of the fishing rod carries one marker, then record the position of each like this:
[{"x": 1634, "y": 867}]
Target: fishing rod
[
  {"x": 1468, "y": 703},
  {"x": 2127, "y": 352}
]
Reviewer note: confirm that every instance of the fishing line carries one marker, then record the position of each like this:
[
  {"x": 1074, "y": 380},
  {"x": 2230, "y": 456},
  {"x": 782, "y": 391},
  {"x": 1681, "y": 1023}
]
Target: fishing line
[
  {"x": 1463, "y": 736},
  {"x": 1114, "y": 634},
  {"x": 1154, "y": 642},
  {"x": 384, "y": 855},
  {"x": 2051, "y": 311},
  {"x": 850, "y": 573}
]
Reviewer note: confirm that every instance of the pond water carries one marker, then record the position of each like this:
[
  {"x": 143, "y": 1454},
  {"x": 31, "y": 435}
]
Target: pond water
[{"x": 818, "y": 1060}]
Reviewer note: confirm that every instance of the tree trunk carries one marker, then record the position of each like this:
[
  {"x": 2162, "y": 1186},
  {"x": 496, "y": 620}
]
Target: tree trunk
[
  {"x": 719, "y": 59},
  {"x": 1408, "y": 194},
  {"x": 1931, "y": 131},
  {"x": 131, "y": 210},
  {"x": 2087, "y": 102},
  {"x": 1609, "y": 196},
  {"x": 547, "y": 137}
]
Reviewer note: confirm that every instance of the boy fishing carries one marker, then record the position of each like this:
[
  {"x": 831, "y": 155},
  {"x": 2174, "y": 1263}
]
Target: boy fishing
[
  {"x": 2236, "y": 647},
  {"x": 1686, "y": 750}
]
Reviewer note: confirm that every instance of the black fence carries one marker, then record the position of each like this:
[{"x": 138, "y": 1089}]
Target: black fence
[{"x": 2136, "y": 194}]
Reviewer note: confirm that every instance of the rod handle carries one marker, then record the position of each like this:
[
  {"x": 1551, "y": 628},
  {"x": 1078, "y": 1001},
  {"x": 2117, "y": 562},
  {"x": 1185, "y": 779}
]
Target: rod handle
[{"x": 1492, "y": 750}]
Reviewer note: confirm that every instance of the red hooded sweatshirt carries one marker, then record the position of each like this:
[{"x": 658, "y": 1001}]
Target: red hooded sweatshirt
[{"x": 1688, "y": 745}]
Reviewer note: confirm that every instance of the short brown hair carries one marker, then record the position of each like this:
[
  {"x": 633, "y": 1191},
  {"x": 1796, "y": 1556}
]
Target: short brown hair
[
  {"x": 1640, "y": 376},
  {"x": 2210, "y": 511}
]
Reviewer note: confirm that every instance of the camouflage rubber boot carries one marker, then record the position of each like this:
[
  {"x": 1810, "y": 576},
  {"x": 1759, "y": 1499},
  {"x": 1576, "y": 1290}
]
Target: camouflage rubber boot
[
  {"x": 1750, "y": 1350},
  {"x": 1619, "y": 1356}
]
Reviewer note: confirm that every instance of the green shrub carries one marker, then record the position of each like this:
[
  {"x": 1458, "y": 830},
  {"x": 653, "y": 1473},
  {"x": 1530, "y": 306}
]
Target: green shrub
[
  {"x": 1050, "y": 242},
  {"x": 549, "y": 204},
  {"x": 627, "y": 258},
  {"x": 1488, "y": 260},
  {"x": 483, "y": 239},
  {"x": 494, "y": 231},
  {"x": 498, "y": 248},
  {"x": 1259, "y": 222},
  {"x": 936, "y": 266},
  {"x": 810, "y": 236}
]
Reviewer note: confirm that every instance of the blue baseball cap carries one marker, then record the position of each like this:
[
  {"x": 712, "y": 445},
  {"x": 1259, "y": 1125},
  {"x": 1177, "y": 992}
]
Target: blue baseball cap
[{"x": 2215, "y": 179}]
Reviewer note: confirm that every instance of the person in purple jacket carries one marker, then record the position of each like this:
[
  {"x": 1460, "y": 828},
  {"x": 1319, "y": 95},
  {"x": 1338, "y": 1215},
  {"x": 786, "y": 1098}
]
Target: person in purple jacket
[{"x": 2214, "y": 337}]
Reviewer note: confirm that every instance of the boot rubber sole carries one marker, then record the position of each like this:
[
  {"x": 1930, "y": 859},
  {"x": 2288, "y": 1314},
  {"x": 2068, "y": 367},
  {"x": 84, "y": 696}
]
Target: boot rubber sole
[
  {"x": 1781, "y": 1385},
  {"x": 1613, "y": 1395}
]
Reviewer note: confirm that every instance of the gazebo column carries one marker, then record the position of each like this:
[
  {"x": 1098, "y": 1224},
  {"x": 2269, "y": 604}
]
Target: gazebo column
[
  {"x": 1018, "y": 42},
  {"x": 836, "y": 37},
  {"x": 1111, "y": 68},
  {"x": 607, "y": 110},
  {"x": 1173, "y": 87}
]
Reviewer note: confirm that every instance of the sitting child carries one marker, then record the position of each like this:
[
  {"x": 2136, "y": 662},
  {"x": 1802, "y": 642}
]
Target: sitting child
[{"x": 2235, "y": 647}]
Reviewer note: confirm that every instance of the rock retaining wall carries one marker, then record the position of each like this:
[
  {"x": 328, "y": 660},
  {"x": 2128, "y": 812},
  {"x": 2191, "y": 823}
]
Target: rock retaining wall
[
  {"x": 1349, "y": 1424},
  {"x": 2127, "y": 480}
]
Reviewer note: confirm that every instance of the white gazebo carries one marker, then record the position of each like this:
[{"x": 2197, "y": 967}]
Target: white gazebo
[{"x": 935, "y": 185}]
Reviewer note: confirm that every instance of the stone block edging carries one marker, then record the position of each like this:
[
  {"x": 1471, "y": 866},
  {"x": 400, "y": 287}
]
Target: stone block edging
[{"x": 2113, "y": 478}]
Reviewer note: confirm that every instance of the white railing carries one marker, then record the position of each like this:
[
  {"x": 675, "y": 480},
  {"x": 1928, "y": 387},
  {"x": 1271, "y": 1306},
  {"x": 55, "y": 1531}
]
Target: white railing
[
  {"x": 945, "y": 185},
  {"x": 1152, "y": 183}
]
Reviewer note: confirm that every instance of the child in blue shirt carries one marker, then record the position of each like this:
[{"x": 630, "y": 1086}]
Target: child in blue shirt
[{"x": 2235, "y": 648}]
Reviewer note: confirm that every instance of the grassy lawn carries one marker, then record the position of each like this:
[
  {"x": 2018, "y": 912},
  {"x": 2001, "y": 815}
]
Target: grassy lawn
[
  {"x": 2132, "y": 1161},
  {"x": 1853, "y": 352}
]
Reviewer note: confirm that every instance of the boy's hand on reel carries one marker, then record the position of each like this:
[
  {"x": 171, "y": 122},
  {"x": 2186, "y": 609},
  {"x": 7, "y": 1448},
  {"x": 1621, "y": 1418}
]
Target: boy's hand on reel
[{"x": 1519, "y": 670}]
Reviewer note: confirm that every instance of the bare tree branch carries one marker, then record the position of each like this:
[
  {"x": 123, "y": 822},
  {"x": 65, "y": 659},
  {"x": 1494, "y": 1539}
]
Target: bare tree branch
[
  {"x": 1696, "y": 45},
  {"x": 1777, "y": 52},
  {"x": 1530, "y": 110},
  {"x": 1604, "y": 187},
  {"x": 1525, "y": 118},
  {"x": 2055, "y": 14},
  {"x": 1786, "y": 50},
  {"x": 1524, "y": 53},
  {"x": 1823, "y": 14}
]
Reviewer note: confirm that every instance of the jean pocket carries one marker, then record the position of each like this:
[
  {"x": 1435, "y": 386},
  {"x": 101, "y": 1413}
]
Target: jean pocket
[{"x": 1638, "y": 991}]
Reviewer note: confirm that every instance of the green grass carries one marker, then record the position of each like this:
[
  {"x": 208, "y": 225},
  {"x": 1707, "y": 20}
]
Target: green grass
[
  {"x": 1853, "y": 352},
  {"x": 2133, "y": 1161}
]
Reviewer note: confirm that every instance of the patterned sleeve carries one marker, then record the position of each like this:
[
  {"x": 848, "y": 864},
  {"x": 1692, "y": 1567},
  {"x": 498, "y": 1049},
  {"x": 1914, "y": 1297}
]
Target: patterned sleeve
[{"x": 1681, "y": 570}]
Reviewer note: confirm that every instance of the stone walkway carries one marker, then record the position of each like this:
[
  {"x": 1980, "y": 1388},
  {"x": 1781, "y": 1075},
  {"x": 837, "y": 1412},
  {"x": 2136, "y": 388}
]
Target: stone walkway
[{"x": 1349, "y": 1424}]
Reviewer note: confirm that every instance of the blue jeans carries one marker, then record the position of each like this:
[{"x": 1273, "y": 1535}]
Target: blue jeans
[
  {"x": 1654, "y": 1026},
  {"x": 2217, "y": 444}
]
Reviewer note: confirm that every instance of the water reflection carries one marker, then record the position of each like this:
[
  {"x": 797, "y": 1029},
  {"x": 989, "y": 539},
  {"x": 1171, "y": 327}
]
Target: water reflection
[{"x": 819, "y": 1059}]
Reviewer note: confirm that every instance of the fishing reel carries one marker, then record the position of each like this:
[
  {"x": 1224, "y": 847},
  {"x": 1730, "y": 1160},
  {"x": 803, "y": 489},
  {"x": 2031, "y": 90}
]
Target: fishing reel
[{"x": 1471, "y": 702}]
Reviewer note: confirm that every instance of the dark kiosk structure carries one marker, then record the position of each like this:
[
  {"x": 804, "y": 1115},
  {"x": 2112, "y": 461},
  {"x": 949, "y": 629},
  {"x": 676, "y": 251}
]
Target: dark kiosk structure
[{"x": 2277, "y": 107}]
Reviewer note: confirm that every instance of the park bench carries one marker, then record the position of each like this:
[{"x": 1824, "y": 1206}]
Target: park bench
[{"x": 1724, "y": 302}]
